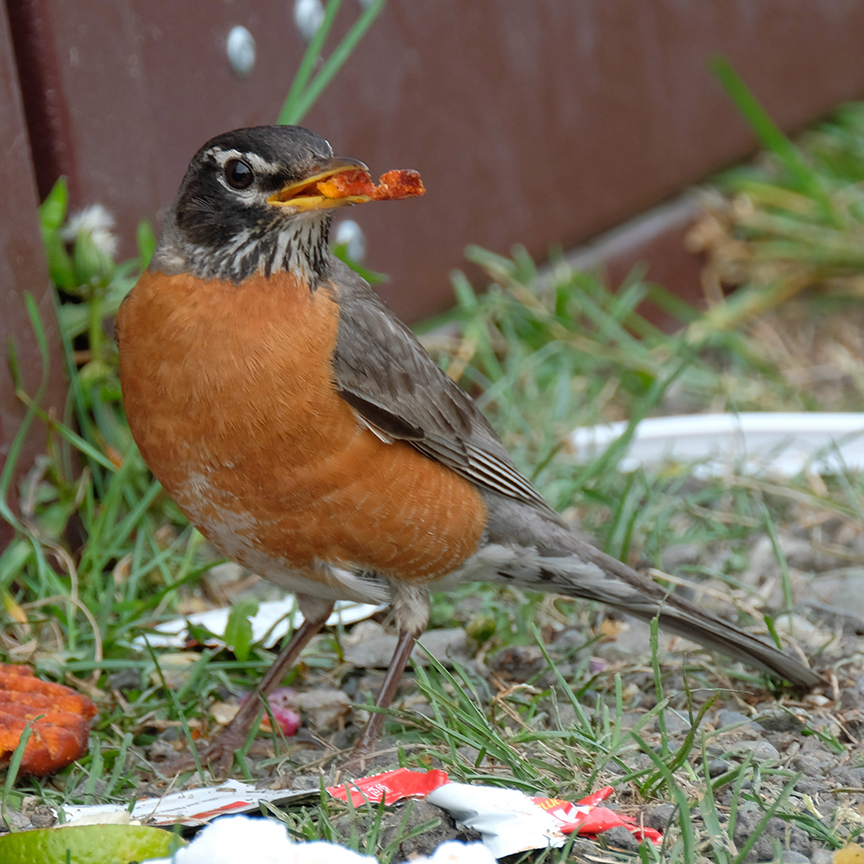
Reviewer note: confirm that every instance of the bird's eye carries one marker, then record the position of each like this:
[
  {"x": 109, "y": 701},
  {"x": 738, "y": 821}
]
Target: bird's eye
[{"x": 238, "y": 174}]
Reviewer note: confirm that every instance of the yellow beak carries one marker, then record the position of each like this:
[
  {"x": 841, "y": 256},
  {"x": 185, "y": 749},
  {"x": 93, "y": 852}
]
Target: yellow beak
[{"x": 304, "y": 195}]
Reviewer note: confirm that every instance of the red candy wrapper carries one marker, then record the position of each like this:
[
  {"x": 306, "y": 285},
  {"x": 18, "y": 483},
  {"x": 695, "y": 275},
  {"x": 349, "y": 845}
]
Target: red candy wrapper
[
  {"x": 391, "y": 786},
  {"x": 508, "y": 820},
  {"x": 586, "y": 818}
]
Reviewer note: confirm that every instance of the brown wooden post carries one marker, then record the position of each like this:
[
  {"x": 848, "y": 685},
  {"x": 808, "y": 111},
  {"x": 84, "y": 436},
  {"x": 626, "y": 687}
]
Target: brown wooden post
[{"x": 22, "y": 270}]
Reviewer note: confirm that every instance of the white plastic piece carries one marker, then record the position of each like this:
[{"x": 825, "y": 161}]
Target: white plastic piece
[
  {"x": 190, "y": 807},
  {"x": 780, "y": 442},
  {"x": 274, "y": 616},
  {"x": 507, "y": 819}
]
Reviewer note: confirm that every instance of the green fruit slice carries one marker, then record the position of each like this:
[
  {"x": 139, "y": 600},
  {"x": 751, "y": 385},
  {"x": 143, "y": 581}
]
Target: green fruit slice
[{"x": 88, "y": 844}]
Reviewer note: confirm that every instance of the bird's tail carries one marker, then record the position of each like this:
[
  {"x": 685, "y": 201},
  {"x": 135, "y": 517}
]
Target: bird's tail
[{"x": 645, "y": 599}]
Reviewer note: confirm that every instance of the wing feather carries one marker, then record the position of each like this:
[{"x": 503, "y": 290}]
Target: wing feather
[{"x": 392, "y": 383}]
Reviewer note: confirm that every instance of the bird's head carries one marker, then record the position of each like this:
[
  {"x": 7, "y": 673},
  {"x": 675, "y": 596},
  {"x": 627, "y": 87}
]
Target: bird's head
[{"x": 249, "y": 203}]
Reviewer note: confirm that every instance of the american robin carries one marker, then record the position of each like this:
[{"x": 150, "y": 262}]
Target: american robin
[{"x": 306, "y": 433}]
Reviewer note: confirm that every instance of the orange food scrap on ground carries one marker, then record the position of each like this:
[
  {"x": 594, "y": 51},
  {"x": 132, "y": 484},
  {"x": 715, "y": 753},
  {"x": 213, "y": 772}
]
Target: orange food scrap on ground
[
  {"x": 58, "y": 737},
  {"x": 400, "y": 183}
]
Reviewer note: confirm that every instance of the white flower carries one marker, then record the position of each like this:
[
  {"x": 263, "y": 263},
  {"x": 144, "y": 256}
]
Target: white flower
[{"x": 97, "y": 222}]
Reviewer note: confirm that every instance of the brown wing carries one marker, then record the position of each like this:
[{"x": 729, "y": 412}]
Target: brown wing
[{"x": 389, "y": 379}]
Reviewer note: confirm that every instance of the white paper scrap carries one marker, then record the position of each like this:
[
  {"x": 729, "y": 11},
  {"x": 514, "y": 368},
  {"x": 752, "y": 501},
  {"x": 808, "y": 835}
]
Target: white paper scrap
[
  {"x": 274, "y": 619},
  {"x": 507, "y": 819},
  {"x": 191, "y": 806}
]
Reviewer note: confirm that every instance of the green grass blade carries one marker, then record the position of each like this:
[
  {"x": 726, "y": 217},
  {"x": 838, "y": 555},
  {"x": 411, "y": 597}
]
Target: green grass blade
[
  {"x": 688, "y": 834},
  {"x": 334, "y": 63},
  {"x": 289, "y": 115},
  {"x": 15, "y": 767},
  {"x": 770, "y": 134}
]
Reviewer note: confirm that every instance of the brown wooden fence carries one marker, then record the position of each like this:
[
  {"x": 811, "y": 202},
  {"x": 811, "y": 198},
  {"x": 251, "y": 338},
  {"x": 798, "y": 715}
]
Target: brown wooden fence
[{"x": 533, "y": 122}]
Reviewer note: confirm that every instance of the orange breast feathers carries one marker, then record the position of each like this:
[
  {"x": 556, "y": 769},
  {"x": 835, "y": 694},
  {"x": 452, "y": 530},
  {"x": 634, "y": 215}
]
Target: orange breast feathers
[{"x": 231, "y": 398}]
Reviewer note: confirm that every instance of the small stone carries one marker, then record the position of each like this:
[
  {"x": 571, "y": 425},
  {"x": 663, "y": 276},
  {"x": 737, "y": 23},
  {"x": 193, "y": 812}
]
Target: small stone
[
  {"x": 779, "y": 720},
  {"x": 718, "y": 767},
  {"x": 42, "y": 816},
  {"x": 323, "y": 708},
  {"x": 803, "y": 555},
  {"x": 775, "y": 831},
  {"x": 467, "y": 754},
  {"x": 18, "y": 821},
  {"x": 726, "y": 717},
  {"x": 305, "y": 756},
  {"x": 852, "y": 778},
  {"x": 632, "y": 636},
  {"x": 566, "y": 670},
  {"x": 659, "y": 816},
  {"x": 851, "y": 699},
  {"x": 785, "y": 742},
  {"x": 563, "y": 716},
  {"x": 812, "y": 744},
  {"x": 364, "y": 631},
  {"x": 619, "y": 838},
  {"x": 806, "y": 786},
  {"x": 630, "y": 719},
  {"x": 822, "y": 856},
  {"x": 675, "y": 722},
  {"x": 762, "y": 751},
  {"x": 225, "y": 574},
  {"x": 223, "y": 712},
  {"x": 808, "y": 764}
]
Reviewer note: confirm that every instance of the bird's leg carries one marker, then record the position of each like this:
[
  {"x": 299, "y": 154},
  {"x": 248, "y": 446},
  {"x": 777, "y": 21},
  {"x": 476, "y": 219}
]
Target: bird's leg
[
  {"x": 411, "y": 607},
  {"x": 220, "y": 752},
  {"x": 372, "y": 732}
]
